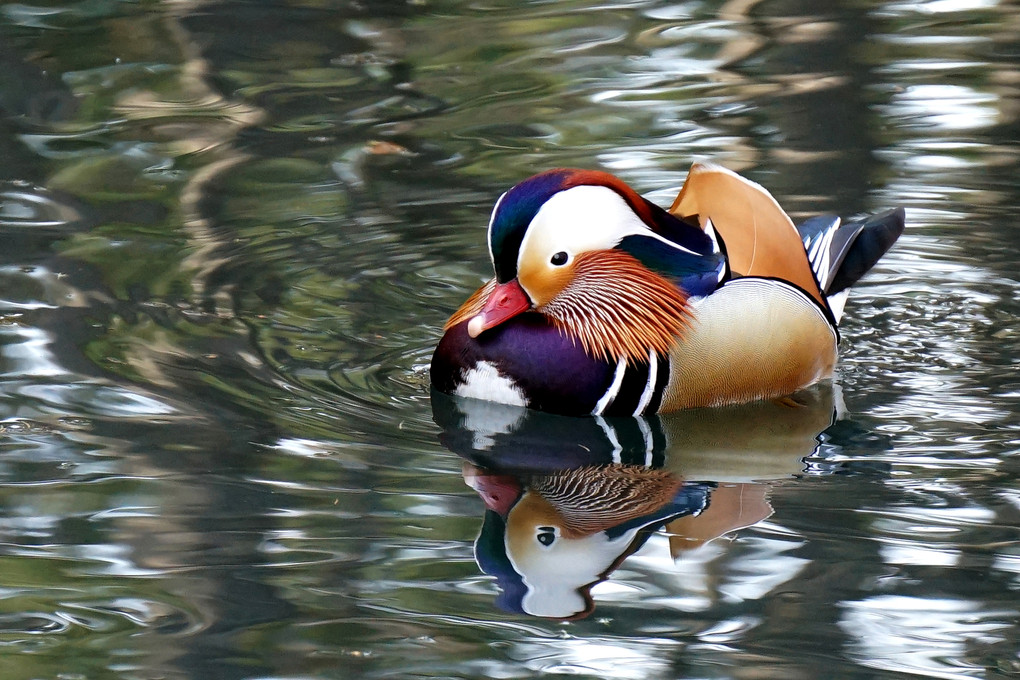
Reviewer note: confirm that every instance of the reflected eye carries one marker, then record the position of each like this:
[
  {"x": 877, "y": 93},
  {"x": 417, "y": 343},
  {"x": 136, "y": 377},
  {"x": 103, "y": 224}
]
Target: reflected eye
[
  {"x": 559, "y": 259},
  {"x": 546, "y": 536}
]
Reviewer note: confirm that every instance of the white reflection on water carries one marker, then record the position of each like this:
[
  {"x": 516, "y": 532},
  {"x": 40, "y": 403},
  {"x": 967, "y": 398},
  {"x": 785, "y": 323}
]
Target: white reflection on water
[
  {"x": 929, "y": 327},
  {"x": 937, "y": 7},
  {"x": 950, "y": 107},
  {"x": 763, "y": 568},
  {"x": 625, "y": 659},
  {"x": 26, "y": 356},
  {"x": 923, "y": 636},
  {"x": 25, "y": 351},
  {"x": 115, "y": 559},
  {"x": 698, "y": 580},
  {"x": 918, "y": 554}
]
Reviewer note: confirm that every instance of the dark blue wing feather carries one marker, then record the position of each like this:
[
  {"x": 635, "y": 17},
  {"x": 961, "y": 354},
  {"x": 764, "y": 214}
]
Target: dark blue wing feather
[{"x": 697, "y": 274}]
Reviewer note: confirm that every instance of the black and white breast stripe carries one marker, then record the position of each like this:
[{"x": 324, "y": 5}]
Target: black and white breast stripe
[{"x": 636, "y": 389}]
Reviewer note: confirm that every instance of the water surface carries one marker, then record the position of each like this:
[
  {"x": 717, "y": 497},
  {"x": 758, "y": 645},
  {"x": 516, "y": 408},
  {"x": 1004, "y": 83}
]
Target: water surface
[{"x": 232, "y": 232}]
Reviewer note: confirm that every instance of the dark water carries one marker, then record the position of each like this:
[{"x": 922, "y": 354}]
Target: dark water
[{"x": 231, "y": 234}]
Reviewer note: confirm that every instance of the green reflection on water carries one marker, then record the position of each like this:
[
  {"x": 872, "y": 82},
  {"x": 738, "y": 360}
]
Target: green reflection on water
[{"x": 218, "y": 455}]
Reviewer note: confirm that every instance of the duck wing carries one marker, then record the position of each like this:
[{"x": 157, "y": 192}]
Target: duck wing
[{"x": 759, "y": 237}]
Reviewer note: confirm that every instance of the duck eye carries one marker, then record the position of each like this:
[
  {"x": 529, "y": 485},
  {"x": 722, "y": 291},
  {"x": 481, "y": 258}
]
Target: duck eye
[
  {"x": 546, "y": 536},
  {"x": 559, "y": 259}
]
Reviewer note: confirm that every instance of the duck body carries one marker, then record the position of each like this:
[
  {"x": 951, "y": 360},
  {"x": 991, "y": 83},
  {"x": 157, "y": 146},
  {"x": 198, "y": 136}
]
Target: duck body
[
  {"x": 605, "y": 304},
  {"x": 528, "y": 361}
]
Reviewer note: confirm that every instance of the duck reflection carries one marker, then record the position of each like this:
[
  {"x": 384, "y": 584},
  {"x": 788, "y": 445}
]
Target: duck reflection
[
  {"x": 569, "y": 499},
  {"x": 548, "y": 538}
]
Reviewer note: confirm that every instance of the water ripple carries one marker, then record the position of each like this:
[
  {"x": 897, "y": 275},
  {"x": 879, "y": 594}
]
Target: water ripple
[
  {"x": 23, "y": 206},
  {"x": 922, "y": 635},
  {"x": 233, "y": 233}
]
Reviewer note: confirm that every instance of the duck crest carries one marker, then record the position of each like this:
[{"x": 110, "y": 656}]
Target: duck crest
[
  {"x": 513, "y": 213},
  {"x": 515, "y": 210}
]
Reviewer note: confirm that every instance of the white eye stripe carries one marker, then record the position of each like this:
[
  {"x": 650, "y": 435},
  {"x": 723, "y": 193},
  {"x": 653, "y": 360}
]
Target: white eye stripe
[
  {"x": 585, "y": 218},
  {"x": 488, "y": 231},
  {"x": 673, "y": 244}
]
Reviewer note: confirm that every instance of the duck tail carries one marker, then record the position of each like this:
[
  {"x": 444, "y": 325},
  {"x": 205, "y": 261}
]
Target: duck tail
[
  {"x": 840, "y": 254},
  {"x": 874, "y": 236}
]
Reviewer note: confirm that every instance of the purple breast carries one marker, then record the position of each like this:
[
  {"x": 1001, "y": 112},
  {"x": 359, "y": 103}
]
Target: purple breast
[{"x": 551, "y": 371}]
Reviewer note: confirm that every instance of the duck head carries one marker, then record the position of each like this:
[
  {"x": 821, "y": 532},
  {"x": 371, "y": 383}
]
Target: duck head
[{"x": 609, "y": 269}]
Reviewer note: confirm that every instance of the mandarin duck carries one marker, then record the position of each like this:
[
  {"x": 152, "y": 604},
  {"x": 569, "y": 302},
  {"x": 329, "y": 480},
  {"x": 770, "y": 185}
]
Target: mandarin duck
[{"x": 603, "y": 303}]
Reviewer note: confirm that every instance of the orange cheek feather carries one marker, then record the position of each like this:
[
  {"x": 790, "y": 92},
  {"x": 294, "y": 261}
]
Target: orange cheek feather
[
  {"x": 611, "y": 303},
  {"x": 618, "y": 308},
  {"x": 541, "y": 282}
]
